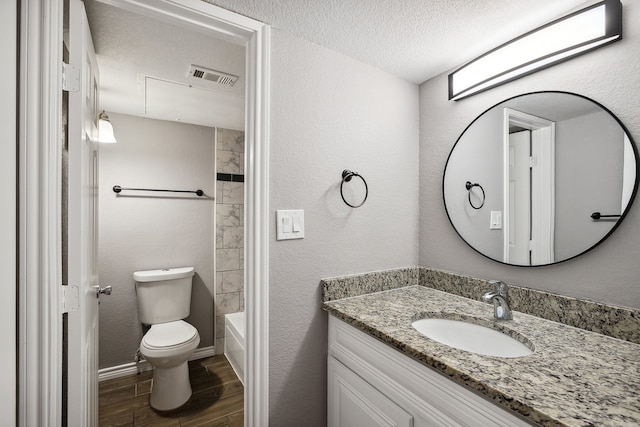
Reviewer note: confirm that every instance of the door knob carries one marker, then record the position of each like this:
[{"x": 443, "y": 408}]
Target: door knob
[{"x": 106, "y": 290}]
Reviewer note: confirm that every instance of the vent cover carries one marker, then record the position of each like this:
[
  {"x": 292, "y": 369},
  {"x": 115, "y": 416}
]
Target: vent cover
[{"x": 202, "y": 73}]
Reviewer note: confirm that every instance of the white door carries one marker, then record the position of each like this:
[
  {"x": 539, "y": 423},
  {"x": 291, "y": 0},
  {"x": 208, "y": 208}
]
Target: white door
[
  {"x": 82, "y": 223},
  {"x": 519, "y": 226}
]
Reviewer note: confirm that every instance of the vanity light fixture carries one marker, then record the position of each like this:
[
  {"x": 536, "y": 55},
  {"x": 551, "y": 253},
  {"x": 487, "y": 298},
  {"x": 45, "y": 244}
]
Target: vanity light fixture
[
  {"x": 578, "y": 32},
  {"x": 105, "y": 129}
]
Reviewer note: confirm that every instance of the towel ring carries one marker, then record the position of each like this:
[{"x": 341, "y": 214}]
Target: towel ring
[
  {"x": 468, "y": 185},
  {"x": 346, "y": 177}
]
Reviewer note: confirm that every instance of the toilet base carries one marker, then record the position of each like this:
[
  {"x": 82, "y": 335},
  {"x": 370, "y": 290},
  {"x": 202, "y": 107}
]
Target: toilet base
[{"x": 171, "y": 387}]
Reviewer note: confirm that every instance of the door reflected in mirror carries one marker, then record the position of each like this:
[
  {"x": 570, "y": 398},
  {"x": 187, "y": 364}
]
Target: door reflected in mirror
[{"x": 558, "y": 171}]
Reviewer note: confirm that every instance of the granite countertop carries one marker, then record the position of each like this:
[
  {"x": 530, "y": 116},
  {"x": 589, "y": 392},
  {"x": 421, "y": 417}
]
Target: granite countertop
[{"x": 573, "y": 378}]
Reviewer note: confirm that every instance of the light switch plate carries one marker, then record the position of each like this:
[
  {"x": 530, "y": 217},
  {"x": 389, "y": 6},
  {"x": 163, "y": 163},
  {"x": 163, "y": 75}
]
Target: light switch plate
[
  {"x": 289, "y": 224},
  {"x": 496, "y": 220}
]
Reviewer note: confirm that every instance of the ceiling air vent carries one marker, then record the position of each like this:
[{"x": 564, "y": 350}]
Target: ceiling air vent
[{"x": 214, "y": 76}]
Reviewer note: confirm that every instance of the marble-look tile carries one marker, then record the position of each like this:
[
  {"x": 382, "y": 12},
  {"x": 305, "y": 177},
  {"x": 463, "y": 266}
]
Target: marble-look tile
[
  {"x": 219, "y": 193},
  {"x": 232, "y": 237},
  {"x": 227, "y": 259},
  {"x": 227, "y": 303},
  {"x": 219, "y": 346},
  {"x": 573, "y": 378},
  {"x": 230, "y": 140},
  {"x": 617, "y": 322},
  {"x": 242, "y": 301},
  {"x": 220, "y": 326},
  {"x": 228, "y": 215},
  {"x": 228, "y": 162},
  {"x": 241, "y": 214},
  {"x": 359, "y": 284},
  {"x": 233, "y": 192},
  {"x": 242, "y": 163},
  {"x": 219, "y": 237},
  {"x": 232, "y": 281}
]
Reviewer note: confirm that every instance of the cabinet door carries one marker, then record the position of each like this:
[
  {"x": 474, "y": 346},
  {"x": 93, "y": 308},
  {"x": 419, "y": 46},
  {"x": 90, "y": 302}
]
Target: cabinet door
[{"x": 352, "y": 402}]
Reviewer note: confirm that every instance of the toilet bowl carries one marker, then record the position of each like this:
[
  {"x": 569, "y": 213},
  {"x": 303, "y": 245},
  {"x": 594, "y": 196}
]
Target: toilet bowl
[
  {"x": 167, "y": 347},
  {"x": 164, "y": 299}
]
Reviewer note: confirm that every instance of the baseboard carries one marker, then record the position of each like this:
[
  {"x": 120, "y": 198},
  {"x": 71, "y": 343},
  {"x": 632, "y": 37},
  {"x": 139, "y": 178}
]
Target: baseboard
[
  {"x": 203, "y": 352},
  {"x": 136, "y": 368},
  {"x": 123, "y": 370}
]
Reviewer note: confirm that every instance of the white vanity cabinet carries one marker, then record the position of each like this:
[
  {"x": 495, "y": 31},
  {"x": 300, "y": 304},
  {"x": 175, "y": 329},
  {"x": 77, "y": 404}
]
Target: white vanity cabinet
[
  {"x": 355, "y": 403},
  {"x": 371, "y": 384}
]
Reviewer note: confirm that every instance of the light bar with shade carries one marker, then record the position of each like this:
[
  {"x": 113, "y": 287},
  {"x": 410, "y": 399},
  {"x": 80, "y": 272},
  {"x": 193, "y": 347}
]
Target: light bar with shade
[
  {"x": 105, "y": 129},
  {"x": 578, "y": 32}
]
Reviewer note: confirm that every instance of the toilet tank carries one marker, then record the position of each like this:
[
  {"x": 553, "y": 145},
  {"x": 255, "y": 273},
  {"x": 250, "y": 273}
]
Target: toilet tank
[{"x": 163, "y": 295}]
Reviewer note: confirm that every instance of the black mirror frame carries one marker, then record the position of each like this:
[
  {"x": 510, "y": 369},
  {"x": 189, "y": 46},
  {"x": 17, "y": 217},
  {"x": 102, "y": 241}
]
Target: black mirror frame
[{"x": 606, "y": 236}]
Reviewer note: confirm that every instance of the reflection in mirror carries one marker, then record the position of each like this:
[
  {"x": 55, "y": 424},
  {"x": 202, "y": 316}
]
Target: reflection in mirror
[{"x": 558, "y": 170}]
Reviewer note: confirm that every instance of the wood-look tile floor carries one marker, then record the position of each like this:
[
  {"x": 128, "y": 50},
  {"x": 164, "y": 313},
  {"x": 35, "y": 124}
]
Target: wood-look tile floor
[{"x": 217, "y": 399}]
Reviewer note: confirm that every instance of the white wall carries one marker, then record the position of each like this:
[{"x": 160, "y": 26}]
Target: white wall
[
  {"x": 473, "y": 160},
  {"x": 609, "y": 75},
  {"x": 589, "y": 165},
  {"x": 330, "y": 113},
  {"x": 148, "y": 231},
  {"x": 8, "y": 224}
]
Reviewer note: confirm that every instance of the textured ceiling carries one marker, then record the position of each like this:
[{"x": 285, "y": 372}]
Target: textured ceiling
[
  {"x": 413, "y": 39},
  {"x": 143, "y": 70}
]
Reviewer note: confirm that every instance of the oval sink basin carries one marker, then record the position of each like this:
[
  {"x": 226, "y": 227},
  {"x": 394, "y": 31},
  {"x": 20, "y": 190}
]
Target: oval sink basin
[{"x": 471, "y": 337}]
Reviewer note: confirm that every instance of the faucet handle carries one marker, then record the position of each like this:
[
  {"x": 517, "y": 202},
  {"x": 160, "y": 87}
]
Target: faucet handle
[{"x": 500, "y": 287}]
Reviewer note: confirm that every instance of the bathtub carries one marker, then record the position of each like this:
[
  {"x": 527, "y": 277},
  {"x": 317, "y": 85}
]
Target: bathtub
[{"x": 234, "y": 342}]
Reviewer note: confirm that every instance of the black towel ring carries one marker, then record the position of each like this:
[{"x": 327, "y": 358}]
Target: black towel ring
[
  {"x": 468, "y": 185},
  {"x": 346, "y": 177}
]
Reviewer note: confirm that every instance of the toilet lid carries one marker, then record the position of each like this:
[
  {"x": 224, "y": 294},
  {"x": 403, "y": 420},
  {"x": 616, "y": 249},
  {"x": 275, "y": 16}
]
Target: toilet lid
[{"x": 171, "y": 334}]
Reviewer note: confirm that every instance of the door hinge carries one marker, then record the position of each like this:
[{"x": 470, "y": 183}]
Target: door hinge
[
  {"x": 532, "y": 162},
  {"x": 70, "y": 298},
  {"x": 531, "y": 245},
  {"x": 70, "y": 78}
]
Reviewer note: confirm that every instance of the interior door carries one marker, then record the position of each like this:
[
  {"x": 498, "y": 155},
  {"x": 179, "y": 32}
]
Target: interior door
[
  {"x": 519, "y": 227},
  {"x": 82, "y": 368}
]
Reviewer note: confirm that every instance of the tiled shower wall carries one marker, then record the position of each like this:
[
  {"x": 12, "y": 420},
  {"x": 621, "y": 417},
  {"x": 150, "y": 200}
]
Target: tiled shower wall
[{"x": 229, "y": 228}]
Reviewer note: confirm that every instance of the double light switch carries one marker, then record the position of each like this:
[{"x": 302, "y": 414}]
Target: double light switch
[{"x": 289, "y": 224}]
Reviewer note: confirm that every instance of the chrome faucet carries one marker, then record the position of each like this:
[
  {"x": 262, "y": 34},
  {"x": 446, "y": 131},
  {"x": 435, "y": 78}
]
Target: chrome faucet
[{"x": 500, "y": 299}]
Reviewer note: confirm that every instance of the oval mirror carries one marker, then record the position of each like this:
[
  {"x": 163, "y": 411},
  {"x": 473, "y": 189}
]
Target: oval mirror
[{"x": 540, "y": 178}]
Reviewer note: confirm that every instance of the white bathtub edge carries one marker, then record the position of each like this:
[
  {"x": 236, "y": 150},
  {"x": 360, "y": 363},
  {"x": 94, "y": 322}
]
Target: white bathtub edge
[{"x": 234, "y": 343}]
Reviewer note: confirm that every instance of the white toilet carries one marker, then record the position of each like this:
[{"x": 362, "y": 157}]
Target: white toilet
[{"x": 164, "y": 299}]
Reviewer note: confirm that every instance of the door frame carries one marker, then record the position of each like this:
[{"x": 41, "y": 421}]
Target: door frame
[
  {"x": 39, "y": 252},
  {"x": 543, "y": 142},
  {"x": 8, "y": 217}
]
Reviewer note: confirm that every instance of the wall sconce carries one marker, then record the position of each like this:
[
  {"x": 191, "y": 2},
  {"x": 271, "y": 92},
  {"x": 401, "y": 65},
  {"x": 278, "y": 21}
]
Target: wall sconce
[
  {"x": 105, "y": 129},
  {"x": 557, "y": 41}
]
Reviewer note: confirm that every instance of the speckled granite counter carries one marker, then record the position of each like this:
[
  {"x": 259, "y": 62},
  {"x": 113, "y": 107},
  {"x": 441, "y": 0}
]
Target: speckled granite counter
[{"x": 574, "y": 377}]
